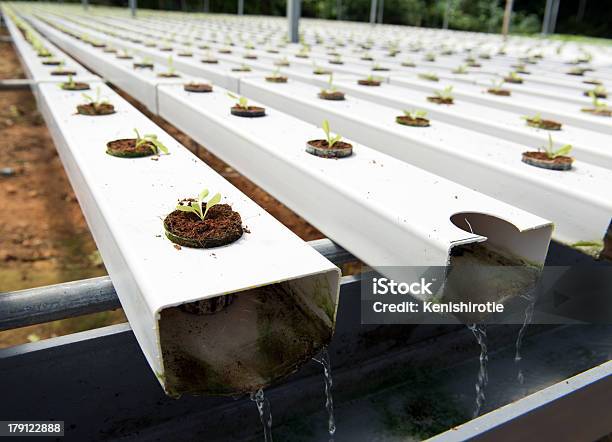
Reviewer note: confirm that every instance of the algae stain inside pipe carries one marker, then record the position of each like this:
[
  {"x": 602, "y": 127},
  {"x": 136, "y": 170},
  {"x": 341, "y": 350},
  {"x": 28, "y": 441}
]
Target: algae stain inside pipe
[{"x": 242, "y": 342}]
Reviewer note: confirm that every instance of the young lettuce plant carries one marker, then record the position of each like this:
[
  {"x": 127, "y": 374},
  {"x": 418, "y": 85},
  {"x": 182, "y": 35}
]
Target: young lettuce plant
[
  {"x": 151, "y": 140},
  {"x": 242, "y": 102},
  {"x": 198, "y": 207},
  {"x": 331, "y": 140},
  {"x": 429, "y": 76},
  {"x": 415, "y": 114},
  {"x": 330, "y": 86},
  {"x": 461, "y": 69},
  {"x": 95, "y": 102},
  {"x": 445, "y": 94},
  {"x": 550, "y": 151}
]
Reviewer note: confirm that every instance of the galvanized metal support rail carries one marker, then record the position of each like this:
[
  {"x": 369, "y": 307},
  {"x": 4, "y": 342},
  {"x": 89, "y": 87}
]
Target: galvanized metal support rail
[{"x": 94, "y": 295}]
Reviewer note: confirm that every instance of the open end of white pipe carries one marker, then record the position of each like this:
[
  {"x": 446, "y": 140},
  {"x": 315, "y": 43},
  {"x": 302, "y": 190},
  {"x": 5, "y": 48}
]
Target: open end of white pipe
[
  {"x": 504, "y": 238},
  {"x": 240, "y": 342},
  {"x": 506, "y": 265}
]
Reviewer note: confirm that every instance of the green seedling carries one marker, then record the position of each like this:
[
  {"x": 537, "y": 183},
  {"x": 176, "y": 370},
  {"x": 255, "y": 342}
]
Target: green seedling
[
  {"x": 599, "y": 91},
  {"x": 372, "y": 78},
  {"x": 550, "y": 151},
  {"x": 97, "y": 101},
  {"x": 496, "y": 85},
  {"x": 70, "y": 83},
  {"x": 514, "y": 76},
  {"x": 597, "y": 103},
  {"x": 241, "y": 102},
  {"x": 429, "y": 76},
  {"x": 331, "y": 140},
  {"x": 430, "y": 57},
  {"x": 415, "y": 114},
  {"x": 319, "y": 70},
  {"x": 151, "y": 139},
  {"x": 445, "y": 94},
  {"x": 330, "y": 85},
  {"x": 536, "y": 119},
  {"x": 461, "y": 69},
  {"x": 199, "y": 207},
  {"x": 171, "y": 69}
]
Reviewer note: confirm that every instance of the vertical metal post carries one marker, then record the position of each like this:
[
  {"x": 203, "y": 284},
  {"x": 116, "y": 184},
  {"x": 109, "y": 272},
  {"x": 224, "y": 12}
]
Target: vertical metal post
[
  {"x": 206, "y": 5},
  {"x": 546, "y": 19},
  {"x": 507, "y": 16},
  {"x": 293, "y": 19},
  {"x": 381, "y": 7},
  {"x": 133, "y": 5},
  {"x": 553, "y": 16},
  {"x": 581, "y": 10},
  {"x": 338, "y": 9},
  {"x": 447, "y": 10},
  {"x": 240, "y": 7},
  {"x": 373, "y": 11},
  {"x": 85, "y": 4}
]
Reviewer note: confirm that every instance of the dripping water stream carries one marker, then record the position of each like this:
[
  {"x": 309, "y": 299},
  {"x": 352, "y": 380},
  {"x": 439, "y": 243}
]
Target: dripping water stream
[
  {"x": 265, "y": 414},
  {"x": 531, "y": 300},
  {"x": 323, "y": 359},
  {"x": 480, "y": 333}
]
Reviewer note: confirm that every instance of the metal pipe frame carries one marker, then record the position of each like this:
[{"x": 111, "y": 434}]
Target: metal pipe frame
[
  {"x": 293, "y": 18},
  {"x": 61, "y": 301}
]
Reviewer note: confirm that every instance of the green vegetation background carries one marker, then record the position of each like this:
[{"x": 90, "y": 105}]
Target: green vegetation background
[{"x": 578, "y": 17}]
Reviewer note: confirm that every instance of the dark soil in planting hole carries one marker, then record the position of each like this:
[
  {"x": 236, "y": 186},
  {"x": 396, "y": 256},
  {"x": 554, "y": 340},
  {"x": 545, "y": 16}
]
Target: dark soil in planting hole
[
  {"x": 166, "y": 49},
  {"x": 414, "y": 122},
  {"x": 380, "y": 69},
  {"x": 250, "y": 57},
  {"x": 51, "y": 62},
  {"x": 126, "y": 148},
  {"x": 167, "y": 75},
  {"x": 499, "y": 92},
  {"x": 336, "y": 62},
  {"x": 96, "y": 109},
  {"x": 241, "y": 69},
  {"x": 594, "y": 82},
  {"x": 367, "y": 59},
  {"x": 125, "y": 57},
  {"x": 320, "y": 148},
  {"x": 282, "y": 63},
  {"x": 225, "y": 51},
  {"x": 368, "y": 82},
  {"x": 440, "y": 100},
  {"x": 474, "y": 65},
  {"x": 98, "y": 45},
  {"x": 221, "y": 226},
  {"x": 272, "y": 51},
  {"x": 185, "y": 54},
  {"x": 250, "y": 112},
  {"x": 408, "y": 65},
  {"x": 322, "y": 72},
  {"x": 209, "y": 60},
  {"x": 576, "y": 74},
  {"x": 301, "y": 56},
  {"x": 544, "y": 124},
  {"x": 197, "y": 87},
  {"x": 513, "y": 80},
  {"x": 143, "y": 65},
  {"x": 110, "y": 51},
  {"x": 76, "y": 86},
  {"x": 540, "y": 159},
  {"x": 277, "y": 79},
  {"x": 598, "y": 112},
  {"x": 598, "y": 95},
  {"x": 333, "y": 96},
  {"x": 63, "y": 72}
]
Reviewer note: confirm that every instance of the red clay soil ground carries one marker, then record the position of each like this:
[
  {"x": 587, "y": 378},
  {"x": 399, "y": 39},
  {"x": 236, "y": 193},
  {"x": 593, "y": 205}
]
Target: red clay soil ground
[{"x": 44, "y": 238}]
